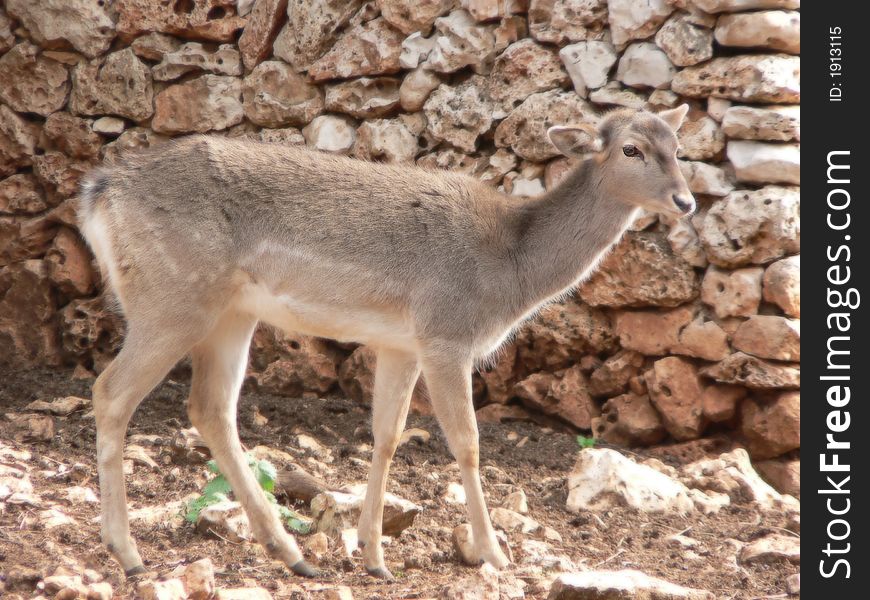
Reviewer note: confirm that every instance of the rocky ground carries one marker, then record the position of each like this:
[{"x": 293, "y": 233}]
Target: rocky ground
[{"x": 633, "y": 516}]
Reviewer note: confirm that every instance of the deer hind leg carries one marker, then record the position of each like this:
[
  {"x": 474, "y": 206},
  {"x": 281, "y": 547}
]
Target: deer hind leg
[
  {"x": 395, "y": 375},
  {"x": 142, "y": 363},
  {"x": 449, "y": 383},
  {"x": 219, "y": 363}
]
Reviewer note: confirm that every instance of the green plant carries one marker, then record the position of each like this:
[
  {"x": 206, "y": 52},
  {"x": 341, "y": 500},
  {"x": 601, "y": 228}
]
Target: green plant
[
  {"x": 218, "y": 488},
  {"x": 586, "y": 442}
]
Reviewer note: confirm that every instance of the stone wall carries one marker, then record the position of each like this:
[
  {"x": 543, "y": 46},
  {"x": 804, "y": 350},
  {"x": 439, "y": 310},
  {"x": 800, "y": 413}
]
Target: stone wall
[{"x": 690, "y": 327}]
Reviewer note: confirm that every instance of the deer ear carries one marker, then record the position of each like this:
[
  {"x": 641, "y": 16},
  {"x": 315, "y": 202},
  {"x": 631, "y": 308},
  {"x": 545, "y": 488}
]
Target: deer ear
[
  {"x": 575, "y": 140},
  {"x": 674, "y": 117}
]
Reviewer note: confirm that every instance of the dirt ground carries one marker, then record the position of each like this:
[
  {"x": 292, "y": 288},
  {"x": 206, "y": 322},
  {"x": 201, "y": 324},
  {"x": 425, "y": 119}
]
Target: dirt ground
[{"x": 422, "y": 557}]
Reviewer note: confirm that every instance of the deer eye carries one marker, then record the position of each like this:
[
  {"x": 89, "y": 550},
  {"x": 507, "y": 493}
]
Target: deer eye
[{"x": 631, "y": 150}]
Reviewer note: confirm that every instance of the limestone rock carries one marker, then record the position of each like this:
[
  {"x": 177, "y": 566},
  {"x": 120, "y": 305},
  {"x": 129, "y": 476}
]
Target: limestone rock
[
  {"x": 307, "y": 368},
  {"x": 732, "y": 474},
  {"x": 700, "y": 138},
  {"x": 255, "y": 44},
  {"x": 30, "y": 82},
  {"x": 363, "y": 98},
  {"x": 629, "y": 420},
  {"x": 192, "y": 57},
  {"x": 758, "y": 162},
  {"x": 119, "y": 84},
  {"x": 566, "y": 397},
  {"x": 620, "y": 585},
  {"x": 459, "y": 114},
  {"x": 71, "y": 135},
  {"x": 214, "y": 20},
  {"x": 559, "y": 21},
  {"x": 525, "y": 129},
  {"x": 732, "y": 293},
  {"x": 20, "y": 193},
  {"x": 702, "y": 339},
  {"x": 199, "y": 579},
  {"x": 69, "y": 264},
  {"x": 771, "y": 548},
  {"x": 774, "y": 123},
  {"x": 274, "y": 95},
  {"x": 26, "y": 304},
  {"x": 371, "y": 48},
  {"x": 707, "y": 179},
  {"x": 644, "y": 65},
  {"x": 749, "y": 78},
  {"x": 85, "y": 25},
  {"x": 612, "y": 376},
  {"x": 652, "y": 332},
  {"x": 716, "y": 108},
  {"x": 59, "y": 174},
  {"x": 524, "y": 68},
  {"x": 588, "y": 64},
  {"x": 684, "y": 41},
  {"x": 757, "y": 226},
  {"x": 131, "y": 140},
  {"x": 247, "y": 593},
  {"x": 488, "y": 10},
  {"x": 227, "y": 520},
  {"x": 560, "y": 335},
  {"x": 630, "y": 20},
  {"x": 207, "y": 103},
  {"x": 416, "y": 87},
  {"x": 461, "y": 42},
  {"x": 675, "y": 390},
  {"x": 87, "y": 327},
  {"x": 772, "y": 427},
  {"x": 415, "y": 50},
  {"x": 773, "y": 29},
  {"x": 109, "y": 126},
  {"x": 512, "y": 521},
  {"x": 7, "y": 38},
  {"x": 168, "y": 589},
  {"x": 720, "y": 6},
  {"x": 452, "y": 160},
  {"x": 17, "y": 141},
  {"x": 311, "y": 29},
  {"x": 601, "y": 478},
  {"x": 154, "y": 46},
  {"x": 769, "y": 336},
  {"x": 641, "y": 271},
  {"x": 755, "y": 373},
  {"x": 482, "y": 584},
  {"x": 782, "y": 285},
  {"x": 784, "y": 474},
  {"x": 336, "y": 511},
  {"x": 614, "y": 94},
  {"x": 719, "y": 402},
  {"x": 409, "y": 17},
  {"x": 390, "y": 140}
]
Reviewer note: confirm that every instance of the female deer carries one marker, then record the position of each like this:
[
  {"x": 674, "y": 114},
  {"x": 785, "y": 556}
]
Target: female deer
[{"x": 202, "y": 238}]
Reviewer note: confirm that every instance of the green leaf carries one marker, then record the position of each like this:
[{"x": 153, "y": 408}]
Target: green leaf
[
  {"x": 586, "y": 442},
  {"x": 266, "y": 474}
]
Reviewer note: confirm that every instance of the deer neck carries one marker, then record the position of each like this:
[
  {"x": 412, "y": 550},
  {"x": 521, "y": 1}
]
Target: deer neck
[{"x": 566, "y": 233}]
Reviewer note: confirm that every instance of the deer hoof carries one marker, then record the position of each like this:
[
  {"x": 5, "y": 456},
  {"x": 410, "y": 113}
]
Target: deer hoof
[
  {"x": 380, "y": 573},
  {"x": 134, "y": 571},
  {"x": 303, "y": 569}
]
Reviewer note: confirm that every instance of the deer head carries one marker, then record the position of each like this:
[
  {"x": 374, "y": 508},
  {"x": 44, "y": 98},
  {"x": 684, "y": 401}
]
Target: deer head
[{"x": 637, "y": 155}]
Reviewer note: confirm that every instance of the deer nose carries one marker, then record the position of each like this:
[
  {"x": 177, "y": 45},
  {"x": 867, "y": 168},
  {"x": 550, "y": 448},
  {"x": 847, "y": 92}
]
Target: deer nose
[{"x": 685, "y": 204}]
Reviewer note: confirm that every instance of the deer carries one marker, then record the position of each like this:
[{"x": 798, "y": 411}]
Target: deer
[{"x": 201, "y": 238}]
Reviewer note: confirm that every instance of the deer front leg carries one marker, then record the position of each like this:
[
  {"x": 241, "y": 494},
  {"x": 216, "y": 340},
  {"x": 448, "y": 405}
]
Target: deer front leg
[
  {"x": 449, "y": 384},
  {"x": 396, "y": 374}
]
